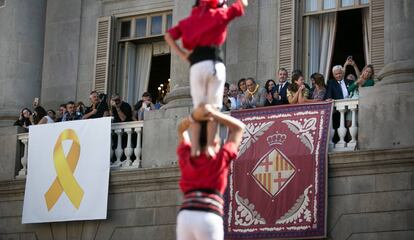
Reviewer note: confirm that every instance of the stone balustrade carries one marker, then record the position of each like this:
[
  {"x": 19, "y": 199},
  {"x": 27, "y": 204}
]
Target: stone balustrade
[
  {"x": 126, "y": 150},
  {"x": 347, "y": 132},
  {"x": 126, "y": 146},
  {"x": 24, "y": 141}
]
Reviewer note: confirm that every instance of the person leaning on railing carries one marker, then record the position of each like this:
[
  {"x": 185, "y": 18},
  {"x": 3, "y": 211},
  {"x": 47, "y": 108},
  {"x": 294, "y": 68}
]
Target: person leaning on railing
[
  {"x": 297, "y": 91},
  {"x": 319, "y": 90},
  {"x": 99, "y": 107},
  {"x": 143, "y": 105}
]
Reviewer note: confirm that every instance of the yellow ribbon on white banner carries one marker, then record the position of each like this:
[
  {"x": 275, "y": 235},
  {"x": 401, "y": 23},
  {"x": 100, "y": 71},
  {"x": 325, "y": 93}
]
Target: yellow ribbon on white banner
[{"x": 65, "y": 166}]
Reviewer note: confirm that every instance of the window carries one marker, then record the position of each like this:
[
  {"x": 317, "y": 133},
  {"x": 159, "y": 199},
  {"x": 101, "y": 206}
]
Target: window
[
  {"x": 141, "y": 27},
  {"x": 169, "y": 21},
  {"x": 142, "y": 57},
  {"x": 322, "y": 6},
  {"x": 156, "y": 25},
  {"x": 332, "y": 31},
  {"x": 126, "y": 29},
  {"x": 145, "y": 26}
]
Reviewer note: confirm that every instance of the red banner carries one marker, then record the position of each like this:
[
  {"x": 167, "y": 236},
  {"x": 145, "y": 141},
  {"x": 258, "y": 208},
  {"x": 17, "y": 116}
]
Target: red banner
[{"x": 277, "y": 185}]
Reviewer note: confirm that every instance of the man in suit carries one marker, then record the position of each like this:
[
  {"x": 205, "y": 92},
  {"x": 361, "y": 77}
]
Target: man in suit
[
  {"x": 282, "y": 86},
  {"x": 337, "y": 88}
]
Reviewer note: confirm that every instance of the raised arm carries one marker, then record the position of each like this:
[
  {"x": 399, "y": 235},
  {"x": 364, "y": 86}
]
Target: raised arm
[{"x": 353, "y": 64}]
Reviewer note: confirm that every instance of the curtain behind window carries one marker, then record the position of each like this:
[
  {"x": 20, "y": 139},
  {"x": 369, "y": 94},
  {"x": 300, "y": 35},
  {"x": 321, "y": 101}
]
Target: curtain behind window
[
  {"x": 129, "y": 84},
  {"x": 143, "y": 68},
  {"x": 366, "y": 32},
  {"x": 322, "y": 30},
  {"x": 134, "y": 70}
]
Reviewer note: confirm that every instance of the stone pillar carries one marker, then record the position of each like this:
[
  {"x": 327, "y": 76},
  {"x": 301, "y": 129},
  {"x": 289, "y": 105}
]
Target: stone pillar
[
  {"x": 21, "y": 55},
  {"x": 61, "y": 58},
  {"x": 160, "y": 135},
  {"x": 180, "y": 85},
  {"x": 387, "y": 109}
]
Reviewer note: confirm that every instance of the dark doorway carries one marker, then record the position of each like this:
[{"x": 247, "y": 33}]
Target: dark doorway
[
  {"x": 160, "y": 74},
  {"x": 348, "y": 40}
]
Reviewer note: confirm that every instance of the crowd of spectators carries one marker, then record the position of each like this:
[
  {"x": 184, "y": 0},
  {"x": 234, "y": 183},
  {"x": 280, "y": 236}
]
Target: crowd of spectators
[
  {"x": 249, "y": 94},
  {"x": 119, "y": 110},
  {"x": 246, "y": 94}
]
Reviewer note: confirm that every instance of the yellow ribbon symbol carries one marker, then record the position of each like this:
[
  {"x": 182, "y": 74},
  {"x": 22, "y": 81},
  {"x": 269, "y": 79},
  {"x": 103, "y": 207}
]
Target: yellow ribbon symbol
[{"x": 65, "y": 166}]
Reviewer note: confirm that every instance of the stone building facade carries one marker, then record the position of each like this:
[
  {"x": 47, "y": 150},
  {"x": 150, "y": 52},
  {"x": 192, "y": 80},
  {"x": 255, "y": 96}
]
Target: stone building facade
[{"x": 61, "y": 50}]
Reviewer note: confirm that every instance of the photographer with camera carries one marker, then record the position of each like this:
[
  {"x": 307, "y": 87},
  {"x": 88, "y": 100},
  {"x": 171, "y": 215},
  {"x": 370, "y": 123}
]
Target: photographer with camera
[
  {"x": 99, "y": 107},
  {"x": 120, "y": 110},
  {"x": 350, "y": 62},
  {"x": 143, "y": 105}
]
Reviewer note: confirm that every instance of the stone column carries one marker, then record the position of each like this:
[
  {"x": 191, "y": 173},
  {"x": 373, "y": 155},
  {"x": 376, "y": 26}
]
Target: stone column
[
  {"x": 387, "y": 110},
  {"x": 180, "y": 85},
  {"x": 22, "y": 31},
  {"x": 160, "y": 135},
  {"x": 62, "y": 55}
]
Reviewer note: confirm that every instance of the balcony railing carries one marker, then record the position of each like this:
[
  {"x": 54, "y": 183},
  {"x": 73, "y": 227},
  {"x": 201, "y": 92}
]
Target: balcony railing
[
  {"x": 126, "y": 146},
  {"x": 348, "y": 110}
]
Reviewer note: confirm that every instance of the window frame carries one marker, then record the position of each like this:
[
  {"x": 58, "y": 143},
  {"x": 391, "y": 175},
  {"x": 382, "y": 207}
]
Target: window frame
[
  {"x": 118, "y": 41},
  {"x": 148, "y": 34},
  {"x": 303, "y": 58},
  {"x": 357, "y": 4}
]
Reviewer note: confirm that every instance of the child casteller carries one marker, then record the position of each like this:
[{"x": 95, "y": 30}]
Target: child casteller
[{"x": 202, "y": 33}]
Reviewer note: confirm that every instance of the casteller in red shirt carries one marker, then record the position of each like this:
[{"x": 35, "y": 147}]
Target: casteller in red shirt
[
  {"x": 206, "y": 26},
  {"x": 203, "y": 172}
]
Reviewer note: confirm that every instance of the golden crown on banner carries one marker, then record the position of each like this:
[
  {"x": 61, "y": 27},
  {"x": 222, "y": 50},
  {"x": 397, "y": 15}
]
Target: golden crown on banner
[{"x": 276, "y": 139}]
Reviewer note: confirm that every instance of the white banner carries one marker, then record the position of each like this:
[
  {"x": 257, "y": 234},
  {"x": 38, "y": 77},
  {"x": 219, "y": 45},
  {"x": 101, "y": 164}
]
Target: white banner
[{"x": 68, "y": 171}]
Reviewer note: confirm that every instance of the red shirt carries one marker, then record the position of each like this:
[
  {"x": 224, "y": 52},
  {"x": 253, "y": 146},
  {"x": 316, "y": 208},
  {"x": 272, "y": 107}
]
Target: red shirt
[
  {"x": 206, "y": 26},
  {"x": 203, "y": 172}
]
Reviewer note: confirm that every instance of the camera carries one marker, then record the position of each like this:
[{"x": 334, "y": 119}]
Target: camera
[{"x": 102, "y": 97}]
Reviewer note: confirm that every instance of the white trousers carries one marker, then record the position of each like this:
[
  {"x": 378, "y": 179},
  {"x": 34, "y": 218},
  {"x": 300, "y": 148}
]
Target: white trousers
[
  {"x": 199, "y": 225},
  {"x": 207, "y": 83}
]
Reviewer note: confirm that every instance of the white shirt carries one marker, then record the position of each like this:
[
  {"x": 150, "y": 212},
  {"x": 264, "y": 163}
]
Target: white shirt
[
  {"x": 234, "y": 103},
  {"x": 49, "y": 119},
  {"x": 344, "y": 89}
]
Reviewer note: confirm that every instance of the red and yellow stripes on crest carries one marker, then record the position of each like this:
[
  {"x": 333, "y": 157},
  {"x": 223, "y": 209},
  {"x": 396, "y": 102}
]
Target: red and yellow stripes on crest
[
  {"x": 265, "y": 179},
  {"x": 282, "y": 164}
]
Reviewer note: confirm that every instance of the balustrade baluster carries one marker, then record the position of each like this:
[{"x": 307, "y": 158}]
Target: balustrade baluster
[
  {"x": 353, "y": 130},
  {"x": 23, "y": 160},
  {"x": 332, "y": 134},
  {"x": 137, "y": 150},
  {"x": 342, "y": 129},
  {"x": 118, "y": 151},
  {"x": 128, "y": 150},
  {"x": 111, "y": 148}
]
